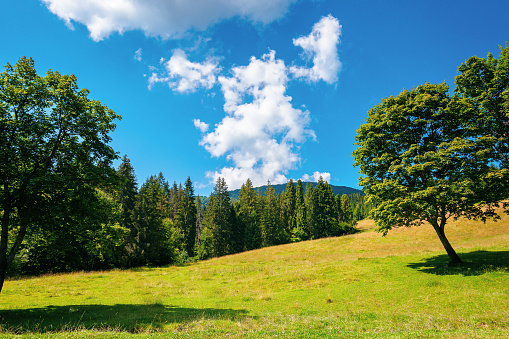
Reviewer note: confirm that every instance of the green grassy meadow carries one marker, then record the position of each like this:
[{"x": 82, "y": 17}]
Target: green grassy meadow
[{"x": 357, "y": 286}]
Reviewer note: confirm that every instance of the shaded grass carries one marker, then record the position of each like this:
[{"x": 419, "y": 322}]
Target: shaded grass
[
  {"x": 474, "y": 263},
  {"x": 357, "y": 286}
]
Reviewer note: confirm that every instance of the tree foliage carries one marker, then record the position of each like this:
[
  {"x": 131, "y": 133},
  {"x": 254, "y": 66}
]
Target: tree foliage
[
  {"x": 249, "y": 216},
  {"x": 185, "y": 218},
  {"x": 485, "y": 82},
  {"x": 218, "y": 221},
  {"x": 424, "y": 158},
  {"x": 54, "y": 139}
]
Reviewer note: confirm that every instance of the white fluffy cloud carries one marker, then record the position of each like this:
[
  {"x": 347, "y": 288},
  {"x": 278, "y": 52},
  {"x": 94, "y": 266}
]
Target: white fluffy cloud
[
  {"x": 260, "y": 132},
  {"x": 203, "y": 127},
  {"x": 322, "y": 47},
  {"x": 316, "y": 176},
  {"x": 164, "y": 18},
  {"x": 184, "y": 76}
]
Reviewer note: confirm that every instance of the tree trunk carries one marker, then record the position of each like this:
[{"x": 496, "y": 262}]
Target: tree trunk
[
  {"x": 455, "y": 259},
  {"x": 4, "y": 233},
  {"x": 2, "y": 277}
]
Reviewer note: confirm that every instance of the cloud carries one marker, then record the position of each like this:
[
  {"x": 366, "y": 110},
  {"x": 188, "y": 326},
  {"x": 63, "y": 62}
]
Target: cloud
[
  {"x": 203, "y": 127},
  {"x": 321, "y": 47},
  {"x": 316, "y": 176},
  {"x": 185, "y": 76},
  {"x": 262, "y": 129},
  {"x": 164, "y": 18},
  {"x": 137, "y": 54}
]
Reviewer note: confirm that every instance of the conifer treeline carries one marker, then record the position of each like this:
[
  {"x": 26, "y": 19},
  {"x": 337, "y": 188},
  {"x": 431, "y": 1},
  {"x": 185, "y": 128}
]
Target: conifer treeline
[
  {"x": 160, "y": 224},
  {"x": 173, "y": 218}
]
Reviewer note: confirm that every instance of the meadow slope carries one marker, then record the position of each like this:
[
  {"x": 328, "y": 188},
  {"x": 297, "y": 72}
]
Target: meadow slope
[{"x": 357, "y": 286}]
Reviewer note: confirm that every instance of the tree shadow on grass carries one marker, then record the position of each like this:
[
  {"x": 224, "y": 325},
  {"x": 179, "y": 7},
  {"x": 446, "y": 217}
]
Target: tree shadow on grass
[
  {"x": 474, "y": 263},
  {"x": 121, "y": 317}
]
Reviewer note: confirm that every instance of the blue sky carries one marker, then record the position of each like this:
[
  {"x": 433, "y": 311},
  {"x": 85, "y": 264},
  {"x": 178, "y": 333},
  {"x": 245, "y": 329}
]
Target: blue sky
[{"x": 266, "y": 89}]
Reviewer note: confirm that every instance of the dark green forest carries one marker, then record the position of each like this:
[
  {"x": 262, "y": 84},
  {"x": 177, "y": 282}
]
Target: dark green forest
[{"x": 158, "y": 223}]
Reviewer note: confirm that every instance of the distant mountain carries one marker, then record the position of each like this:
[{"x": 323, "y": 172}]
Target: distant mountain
[
  {"x": 281, "y": 187},
  {"x": 234, "y": 195}
]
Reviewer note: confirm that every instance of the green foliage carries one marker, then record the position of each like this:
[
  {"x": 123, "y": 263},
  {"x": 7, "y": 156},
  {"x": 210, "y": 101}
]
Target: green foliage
[
  {"x": 185, "y": 218},
  {"x": 273, "y": 232},
  {"x": 485, "y": 83},
  {"x": 322, "y": 211},
  {"x": 347, "y": 215},
  {"x": 249, "y": 216},
  {"x": 361, "y": 208},
  {"x": 422, "y": 161},
  {"x": 288, "y": 208},
  {"x": 206, "y": 246},
  {"x": 54, "y": 140},
  {"x": 300, "y": 231},
  {"x": 126, "y": 196},
  {"x": 75, "y": 239},
  {"x": 220, "y": 219},
  {"x": 153, "y": 238}
]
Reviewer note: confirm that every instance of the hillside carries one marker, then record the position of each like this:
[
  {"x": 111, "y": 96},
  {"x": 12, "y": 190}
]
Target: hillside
[{"x": 357, "y": 286}]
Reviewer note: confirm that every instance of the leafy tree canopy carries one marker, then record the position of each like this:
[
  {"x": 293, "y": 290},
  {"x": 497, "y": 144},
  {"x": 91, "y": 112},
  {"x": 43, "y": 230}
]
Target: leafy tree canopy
[
  {"x": 53, "y": 139},
  {"x": 422, "y": 161}
]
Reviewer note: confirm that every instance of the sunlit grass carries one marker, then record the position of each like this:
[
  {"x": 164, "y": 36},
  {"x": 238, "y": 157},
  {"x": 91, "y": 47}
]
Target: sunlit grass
[{"x": 358, "y": 286}]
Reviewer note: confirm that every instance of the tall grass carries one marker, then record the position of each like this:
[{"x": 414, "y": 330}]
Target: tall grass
[{"x": 357, "y": 286}]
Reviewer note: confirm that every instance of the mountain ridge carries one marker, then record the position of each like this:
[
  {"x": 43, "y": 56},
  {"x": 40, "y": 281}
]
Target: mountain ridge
[{"x": 278, "y": 188}]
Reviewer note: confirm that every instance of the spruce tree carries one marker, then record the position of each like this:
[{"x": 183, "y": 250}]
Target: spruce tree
[
  {"x": 185, "y": 218},
  {"x": 308, "y": 201},
  {"x": 174, "y": 197},
  {"x": 288, "y": 208},
  {"x": 153, "y": 232},
  {"x": 249, "y": 216},
  {"x": 346, "y": 209},
  {"x": 126, "y": 197},
  {"x": 272, "y": 232},
  {"x": 299, "y": 232},
  {"x": 323, "y": 211},
  {"x": 219, "y": 219},
  {"x": 199, "y": 222}
]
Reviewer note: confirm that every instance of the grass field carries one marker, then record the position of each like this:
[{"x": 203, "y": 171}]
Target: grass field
[{"x": 357, "y": 286}]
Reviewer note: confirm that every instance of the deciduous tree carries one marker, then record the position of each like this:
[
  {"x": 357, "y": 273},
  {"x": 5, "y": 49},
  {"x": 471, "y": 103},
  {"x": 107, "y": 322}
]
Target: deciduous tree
[
  {"x": 419, "y": 162},
  {"x": 53, "y": 139}
]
